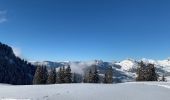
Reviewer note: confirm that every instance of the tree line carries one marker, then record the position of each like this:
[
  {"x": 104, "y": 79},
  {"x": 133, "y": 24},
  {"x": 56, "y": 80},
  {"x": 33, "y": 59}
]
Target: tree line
[
  {"x": 64, "y": 75},
  {"x": 145, "y": 72}
]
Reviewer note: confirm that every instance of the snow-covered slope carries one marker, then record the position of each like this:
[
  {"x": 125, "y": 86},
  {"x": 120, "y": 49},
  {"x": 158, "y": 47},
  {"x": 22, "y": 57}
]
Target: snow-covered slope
[
  {"x": 128, "y": 64},
  {"x": 124, "y": 70},
  {"x": 123, "y": 91}
]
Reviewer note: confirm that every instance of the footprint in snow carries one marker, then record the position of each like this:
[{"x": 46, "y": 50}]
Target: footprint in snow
[{"x": 45, "y": 97}]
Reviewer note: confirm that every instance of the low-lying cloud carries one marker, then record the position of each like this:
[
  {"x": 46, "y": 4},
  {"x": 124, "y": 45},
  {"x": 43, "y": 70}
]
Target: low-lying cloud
[{"x": 17, "y": 51}]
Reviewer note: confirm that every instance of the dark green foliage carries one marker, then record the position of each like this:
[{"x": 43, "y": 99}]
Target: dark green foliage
[
  {"x": 85, "y": 78},
  {"x": 92, "y": 77},
  {"x": 64, "y": 75},
  {"x": 95, "y": 75},
  {"x": 163, "y": 78},
  {"x": 40, "y": 76},
  {"x": 146, "y": 72},
  {"x": 52, "y": 77},
  {"x": 14, "y": 70},
  {"x": 68, "y": 75},
  {"x": 45, "y": 74},
  {"x": 105, "y": 78},
  {"x": 59, "y": 76},
  {"x": 108, "y": 78}
]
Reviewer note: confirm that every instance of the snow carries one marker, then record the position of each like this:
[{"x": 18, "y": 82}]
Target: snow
[
  {"x": 125, "y": 70},
  {"x": 163, "y": 84},
  {"x": 123, "y": 91},
  {"x": 164, "y": 64},
  {"x": 126, "y": 64}
]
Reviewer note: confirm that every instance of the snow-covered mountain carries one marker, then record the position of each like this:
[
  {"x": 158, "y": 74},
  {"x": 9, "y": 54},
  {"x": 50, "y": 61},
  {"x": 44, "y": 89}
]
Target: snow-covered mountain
[{"x": 124, "y": 70}]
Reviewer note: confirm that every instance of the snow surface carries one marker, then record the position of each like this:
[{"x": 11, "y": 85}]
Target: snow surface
[{"x": 122, "y": 91}]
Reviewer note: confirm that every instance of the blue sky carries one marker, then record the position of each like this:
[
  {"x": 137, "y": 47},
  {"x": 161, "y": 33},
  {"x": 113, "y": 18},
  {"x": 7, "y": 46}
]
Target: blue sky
[{"x": 60, "y": 30}]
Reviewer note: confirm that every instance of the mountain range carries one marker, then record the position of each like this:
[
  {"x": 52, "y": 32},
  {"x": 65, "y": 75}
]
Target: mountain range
[
  {"x": 123, "y": 71},
  {"x": 14, "y": 70}
]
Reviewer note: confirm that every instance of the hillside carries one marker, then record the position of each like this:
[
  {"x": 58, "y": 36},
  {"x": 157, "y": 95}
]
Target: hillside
[{"x": 14, "y": 70}]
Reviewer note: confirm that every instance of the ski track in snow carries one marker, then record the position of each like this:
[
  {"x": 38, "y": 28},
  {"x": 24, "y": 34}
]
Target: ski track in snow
[
  {"x": 159, "y": 85},
  {"x": 165, "y": 86}
]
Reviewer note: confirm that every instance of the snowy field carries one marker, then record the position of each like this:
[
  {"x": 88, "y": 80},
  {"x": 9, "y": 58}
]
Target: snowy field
[{"x": 122, "y": 91}]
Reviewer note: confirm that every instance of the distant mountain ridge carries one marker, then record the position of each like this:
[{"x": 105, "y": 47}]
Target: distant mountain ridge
[
  {"x": 14, "y": 70},
  {"x": 124, "y": 70}
]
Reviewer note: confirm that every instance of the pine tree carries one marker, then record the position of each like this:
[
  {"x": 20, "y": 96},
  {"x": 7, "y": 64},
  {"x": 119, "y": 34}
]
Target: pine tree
[
  {"x": 163, "y": 78},
  {"x": 108, "y": 78},
  {"x": 85, "y": 79},
  {"x": 152, "y": 73},
  {"x": 38, "y": 77},
  {"x": 63, "y": 75},
  {"x": 110, "y": 75},
  {"x": 74, "y": 78},
  {"x": 140, "y": 72},
  {"x": 95, "y": 75},
  {"x": 52, "y": 77},
  {"x": 59, "y": 76},
  {"x": 90, "y": 77},
  {"x": 146, "y": 72},
  {"x": 45, "y": 74},
  {"x": 68, "y": 75},
  {"x": 105, "y": 78}
]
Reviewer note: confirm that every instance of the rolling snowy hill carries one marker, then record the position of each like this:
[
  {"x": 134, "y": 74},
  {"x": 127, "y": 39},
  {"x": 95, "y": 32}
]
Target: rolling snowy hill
[{"x": 123, "y": 91}]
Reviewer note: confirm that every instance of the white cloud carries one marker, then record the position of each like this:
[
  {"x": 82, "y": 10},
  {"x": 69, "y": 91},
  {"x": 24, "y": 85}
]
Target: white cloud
[
  {"x": 3, "y": 17},
  {"x": 17, "y": 51},
  {"x": 3, "y": 20},
  {"x": 80, "y": 66}
]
